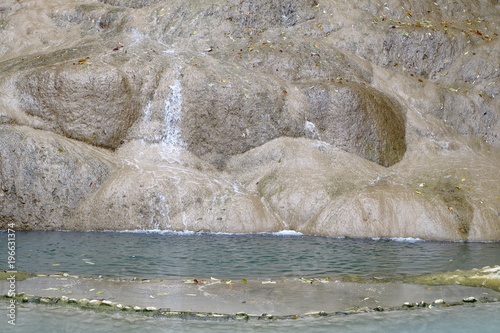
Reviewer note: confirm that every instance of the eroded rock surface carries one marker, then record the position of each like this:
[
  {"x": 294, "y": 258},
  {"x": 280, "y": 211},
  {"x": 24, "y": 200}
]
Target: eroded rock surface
[
  {"x": 94, "y": 105},
  {"x": 340, "y": 118},
  {"x": 45, "y": 177}
]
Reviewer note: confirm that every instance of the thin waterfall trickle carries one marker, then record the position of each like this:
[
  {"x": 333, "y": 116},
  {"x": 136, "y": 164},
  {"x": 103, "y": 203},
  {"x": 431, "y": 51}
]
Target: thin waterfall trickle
[
  {"x": 313, "y": 131},
  {"x": 160, "y": 156},
  {"x": 162, "y": 117},
  {"x": 171, "y": 132}
]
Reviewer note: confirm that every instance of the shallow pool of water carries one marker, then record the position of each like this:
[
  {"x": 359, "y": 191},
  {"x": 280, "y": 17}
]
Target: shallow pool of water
[
  {"x": 484, "y": 318},
  {"x": 170, "y": 254}
]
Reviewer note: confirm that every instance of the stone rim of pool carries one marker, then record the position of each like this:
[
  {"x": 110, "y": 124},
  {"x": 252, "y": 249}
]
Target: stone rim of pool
[{"x": 213, "y": 298}]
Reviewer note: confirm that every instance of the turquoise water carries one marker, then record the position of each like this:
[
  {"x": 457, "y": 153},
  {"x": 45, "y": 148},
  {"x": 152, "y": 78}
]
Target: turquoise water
[
  {"x": 171, "y": 255},
  {"x": 484, "y": 318},
  {"x": 238, "y": 256}
]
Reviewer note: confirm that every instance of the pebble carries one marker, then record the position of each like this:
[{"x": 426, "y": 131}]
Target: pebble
[
  {"x": 107, "y": 303},
  {"x": 95, "y": 302},
  {"x": 470, "y": 299},
  {"x": 83, "y": 301},
  {"x": 241, "y": 315}
]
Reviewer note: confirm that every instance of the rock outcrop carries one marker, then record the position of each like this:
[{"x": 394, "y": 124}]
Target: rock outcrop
[{"x": 330, "y": 117}]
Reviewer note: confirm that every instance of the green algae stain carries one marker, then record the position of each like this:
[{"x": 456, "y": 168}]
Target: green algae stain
[
  {"x": 472, "y": 278},
  {"x": 353, "y": 278},
  {"x": 486, "y": 277},
  {"x": 19, "y": 275}
]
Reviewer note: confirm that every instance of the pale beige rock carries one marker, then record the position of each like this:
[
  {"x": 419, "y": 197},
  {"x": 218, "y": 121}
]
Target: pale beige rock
[
  {"x": 333, "y": 117},
  {"x": 92, "y": 103},
  {"x": 44, "y": 177},
  {"x": 153, "y": 191}
]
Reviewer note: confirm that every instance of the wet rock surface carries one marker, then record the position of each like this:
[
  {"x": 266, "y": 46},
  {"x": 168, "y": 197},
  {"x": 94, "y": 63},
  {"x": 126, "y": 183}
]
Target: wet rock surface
[{"x": 329, "y": 117}]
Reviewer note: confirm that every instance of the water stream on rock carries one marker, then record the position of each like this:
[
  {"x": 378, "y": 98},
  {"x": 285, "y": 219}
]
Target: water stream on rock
[
  {"x": 172, "y": 116},
  {"x": 286, "y": 254}
]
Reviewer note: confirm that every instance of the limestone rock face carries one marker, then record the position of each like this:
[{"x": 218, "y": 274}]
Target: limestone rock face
[
  {"x": 360, "y": 120},
  {"x": 44, "y": 177},
  {"x": 94, "y": 104},
  {"x": 241, "y": 110},
  {"x": 332, "y": 117}
]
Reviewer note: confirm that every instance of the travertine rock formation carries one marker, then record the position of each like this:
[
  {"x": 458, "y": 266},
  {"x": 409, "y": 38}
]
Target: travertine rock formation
[{"x": 331, "y": 117}]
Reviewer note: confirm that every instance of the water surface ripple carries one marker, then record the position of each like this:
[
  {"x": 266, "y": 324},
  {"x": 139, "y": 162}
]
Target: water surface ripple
[{"x": 172, "y": 255}]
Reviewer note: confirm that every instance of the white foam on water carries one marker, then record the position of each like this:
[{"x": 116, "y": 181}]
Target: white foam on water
[
  {"x": 153, "y": 231},
  {"x": 400, "y": 239},
  {"x": 188, "y": 232},
  {"x": 284, "y": 232},
  {"x": 287, "y": 233}
]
